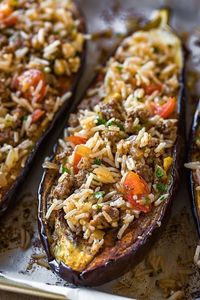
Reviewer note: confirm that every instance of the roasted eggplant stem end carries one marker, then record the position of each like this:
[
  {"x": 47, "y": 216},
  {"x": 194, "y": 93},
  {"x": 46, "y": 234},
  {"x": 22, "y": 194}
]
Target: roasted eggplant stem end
[
  {"x": 10, "y": 196},
  {"x": 114, "y": 261}
]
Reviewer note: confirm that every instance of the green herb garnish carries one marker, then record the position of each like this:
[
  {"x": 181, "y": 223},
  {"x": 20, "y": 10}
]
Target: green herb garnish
[
  {"x": 116, "y": 123},
  {"x": 25, "y": 118},
  {"x": 159, "y": 172},
  {"x": 65, "y": 170},
  {"x": 161, "y": 187},
  {"x": 99, "y": 195},
  {"x": 101, "y": 121},
  {"x": 119, "y": 68},
  {"x": 97, "y": 161}
]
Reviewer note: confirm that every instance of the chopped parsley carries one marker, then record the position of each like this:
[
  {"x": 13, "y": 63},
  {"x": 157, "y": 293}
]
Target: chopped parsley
[
  {"x": 101, "y": 121},
  {"x": 97, "y": 161},
  {"x": 99, "y": 195},
  {"x": 65, "y": 170},
  {"x": 116, "y": 123},
  {"x": 159, "y": 172},
  {"x": 161, "y": 187}
]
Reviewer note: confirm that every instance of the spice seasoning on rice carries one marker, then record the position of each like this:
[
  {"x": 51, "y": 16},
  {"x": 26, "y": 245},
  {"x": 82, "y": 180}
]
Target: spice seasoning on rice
[
  {"x": 41, "y": 45},
  {"x": 116, "y": 156}
]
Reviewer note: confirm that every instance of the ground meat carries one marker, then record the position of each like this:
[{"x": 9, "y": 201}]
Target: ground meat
[
  {"x": 113, "y": 212},
  {"x": 111, "y": 110},
  {"x": 80, "y": 178},
  {"x": 168, "y": 128},
  {"x": 18, "y": 113},
  {"x": 139, "y": 112},
  {"x": 73, "y": 120},
  {"x": 99, "y": 222},
  {"x": 146, "y": 172},
  {"x": 64, "y": 188},
  {"x": 128, "y": 125},
  {"x": 6, "y": 136},
  {"x": 113, "y": 136}
]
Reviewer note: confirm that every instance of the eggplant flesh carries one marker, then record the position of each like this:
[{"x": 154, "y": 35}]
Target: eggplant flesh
[
  {"x": 70, "y": 257},
  {"x": 193, "y": 165},
  {"x": 67, "y": 85}
]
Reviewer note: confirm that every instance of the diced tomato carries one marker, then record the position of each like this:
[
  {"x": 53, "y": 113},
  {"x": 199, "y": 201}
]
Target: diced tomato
[
  {"x": 80, "y": 151},
  {"x": 10, "y": 21},
  {"x": 6, "y": 15},
  {"x": 37, "y": 115},
  {"x": 152, "y": 87},
  {"x": 167, "y": 109},
  {"x": 32, "y": 85},
  {"x": 5, "y": 10},
  {"x": 76, "y": 140},
  {"x": 135, "y": 184},
  {"x": 144, "y": 208}
]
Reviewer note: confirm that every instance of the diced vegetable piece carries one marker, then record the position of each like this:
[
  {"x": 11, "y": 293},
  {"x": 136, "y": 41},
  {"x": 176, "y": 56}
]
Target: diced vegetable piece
[
  {"x": 167, "y": 163},
  {"x": 101, "y": 121},
  {"x": 104, "y": 175},
  {"x": 97, "y": 161},
  {"x": 135, "y": 184},
  {"x": 80, "y": 151},
  {"x": 76, "y": 140},
  {"x": 37, "y": 115},
  {"x": 161, "y": 187},
  {"x": 32, "y": 85},
  {"x": 140, "y": 207},
  {"x": 65, "y": 170},
  {"x": 167, "y": 109},
  {"x": 6, "y": 15},
  {"x": 152, "y": 87},
  {"x": 159, "y": 172}
]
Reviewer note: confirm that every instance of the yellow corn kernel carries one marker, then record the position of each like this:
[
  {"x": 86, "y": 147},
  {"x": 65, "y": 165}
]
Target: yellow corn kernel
[
  {"x": 167, "y": 163},
  {"x": 59, "y": 67}
]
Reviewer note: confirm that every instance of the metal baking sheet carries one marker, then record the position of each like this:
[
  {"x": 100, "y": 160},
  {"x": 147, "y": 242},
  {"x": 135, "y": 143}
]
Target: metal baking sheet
[{"x": 23, "y": 271}]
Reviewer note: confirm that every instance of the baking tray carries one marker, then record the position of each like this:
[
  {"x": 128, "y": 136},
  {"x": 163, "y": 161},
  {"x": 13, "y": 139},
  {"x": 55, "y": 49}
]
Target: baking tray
[{"x": 171, "y": 258}]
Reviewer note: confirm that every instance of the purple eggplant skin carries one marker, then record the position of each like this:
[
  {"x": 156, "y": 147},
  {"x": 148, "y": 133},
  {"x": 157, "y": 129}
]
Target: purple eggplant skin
[
  {"x": 9, "y": 198},
  {"x": 115, "y": 261},
  {"x": 193, "y": 134}
]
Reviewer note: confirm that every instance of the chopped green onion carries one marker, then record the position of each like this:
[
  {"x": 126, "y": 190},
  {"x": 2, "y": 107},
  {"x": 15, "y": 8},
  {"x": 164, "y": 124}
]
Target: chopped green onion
[
  {"x": 25, "y": 118},
  {"x": 65, "y": 170},
  {"x": 97, "y": 161},
  {"x": 101, "y": 121},
  {"x": 99, "y": 194},
  {"x": 159, "y": 172},
  {"x": 116, "y": 123},
  {"x": 119, "y": 68},
  {"x": 161, "y": 187}
]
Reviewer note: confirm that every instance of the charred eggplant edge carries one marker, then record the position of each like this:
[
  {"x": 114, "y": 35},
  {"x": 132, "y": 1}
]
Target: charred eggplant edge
[
  {"x": 193, "y": 132},
  {"x": 9, "y": 196},
  {"x": 116, "y": 267}
]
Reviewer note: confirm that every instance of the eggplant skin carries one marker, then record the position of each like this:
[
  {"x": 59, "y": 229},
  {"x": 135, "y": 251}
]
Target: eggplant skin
[
  {"x": 191, "y": 180},
  {"x": 115, "y": 261},
  {"x": 10, "y": 196}
]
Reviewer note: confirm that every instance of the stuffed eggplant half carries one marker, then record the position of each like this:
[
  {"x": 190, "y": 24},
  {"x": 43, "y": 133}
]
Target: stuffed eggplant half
[
  {"x": 112, "y": 176},
  {"x": 41, "y": 56},
  {"x": 194, "y": 166}
]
